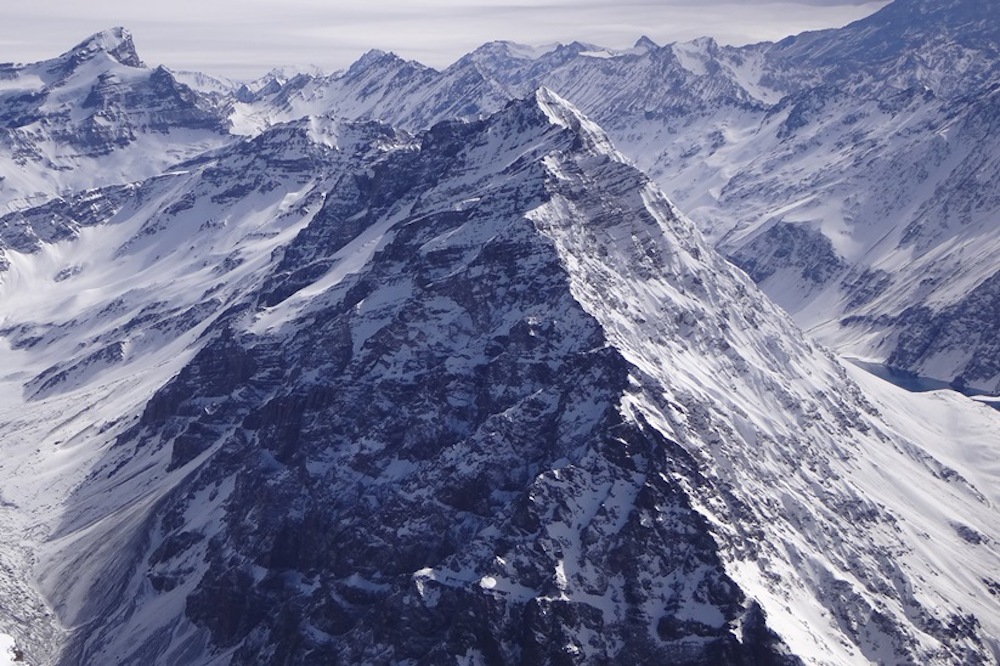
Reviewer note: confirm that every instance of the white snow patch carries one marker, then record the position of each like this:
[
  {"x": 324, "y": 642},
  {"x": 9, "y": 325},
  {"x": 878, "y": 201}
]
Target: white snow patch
[
  {"x": 691, "y": 56},
  {"x": 7, "y": 647},
  {"x": 352, "y": 258},
  {"x": 602, "y": 53}
]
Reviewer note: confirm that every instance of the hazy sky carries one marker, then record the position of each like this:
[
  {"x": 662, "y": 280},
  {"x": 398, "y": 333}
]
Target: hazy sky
[{"x": 246, "y": 38}]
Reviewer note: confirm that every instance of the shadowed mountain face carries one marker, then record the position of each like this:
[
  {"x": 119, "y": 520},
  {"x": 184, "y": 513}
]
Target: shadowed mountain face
[{"x": 337, "y": 392}]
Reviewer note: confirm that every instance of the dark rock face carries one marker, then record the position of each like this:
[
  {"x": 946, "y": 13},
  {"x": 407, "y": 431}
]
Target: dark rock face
[
  {"x": 60, "y": 219},
  {"x": 790, "y": 248},
  {"x": 927, "y": 340},
  {"x": 119, "y": 111},
  {"x": 866, "y": 287},
  {"x": 969, "y": 324}
]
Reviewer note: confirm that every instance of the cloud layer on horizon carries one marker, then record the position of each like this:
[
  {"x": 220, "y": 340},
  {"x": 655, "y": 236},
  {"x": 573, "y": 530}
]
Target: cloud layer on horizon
[{"x": 247, "y": 38}]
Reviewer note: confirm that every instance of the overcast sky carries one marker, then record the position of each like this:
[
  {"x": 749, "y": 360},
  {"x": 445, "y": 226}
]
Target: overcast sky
[{"x": 246, "y": 38}]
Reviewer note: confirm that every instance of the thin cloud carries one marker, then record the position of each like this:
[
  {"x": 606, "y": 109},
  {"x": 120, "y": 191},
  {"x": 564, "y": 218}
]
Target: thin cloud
[{"x": 247, "y": 38}]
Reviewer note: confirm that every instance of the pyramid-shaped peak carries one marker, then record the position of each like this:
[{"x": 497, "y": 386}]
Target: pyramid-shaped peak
[
  {"x": 559, "y": 110},
  {"x": 116, "y": 42},
  {"x": 374, "y": 58},
  {"x": 646, "y": 44}
]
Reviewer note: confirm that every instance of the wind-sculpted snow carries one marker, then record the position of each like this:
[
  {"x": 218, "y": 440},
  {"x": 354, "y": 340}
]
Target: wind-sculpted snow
[{"x": 344, "y": 394}]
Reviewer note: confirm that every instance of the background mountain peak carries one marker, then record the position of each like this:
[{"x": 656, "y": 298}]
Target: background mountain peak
[{"x": 116, "y": 42}]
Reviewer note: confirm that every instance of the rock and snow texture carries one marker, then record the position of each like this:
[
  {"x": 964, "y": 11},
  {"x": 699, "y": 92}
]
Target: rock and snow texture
[
  {"x": 849, "y": 171},
  {"x": 99, "y": 316},
  {"x": 852, "y": 172},
  {"x": 340, "y": 393}
]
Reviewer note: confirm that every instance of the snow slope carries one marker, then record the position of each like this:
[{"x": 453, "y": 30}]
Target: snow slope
[{"x": 99, "y": 319}]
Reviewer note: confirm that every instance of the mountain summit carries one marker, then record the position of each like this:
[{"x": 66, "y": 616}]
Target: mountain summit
[
  {"x": 115, "y": 42},
  {"x": 96, "y": 116}
]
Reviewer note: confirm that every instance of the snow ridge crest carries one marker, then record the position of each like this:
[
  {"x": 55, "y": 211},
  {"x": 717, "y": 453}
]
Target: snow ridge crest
[
  {"x": 562, "y": 113},
  {"x": 116, "y": 42}
]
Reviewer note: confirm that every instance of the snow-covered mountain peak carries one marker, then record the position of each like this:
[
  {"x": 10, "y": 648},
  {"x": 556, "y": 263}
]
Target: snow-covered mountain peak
[
  {"x": 644, "y": 43},
  {"x": 508, "y": 49},
  {"x": 115, "y": 42},
  {"x": 96, "y": 116},
  {"x": 274, "y": 82},
  {"x": 339, "y": 393},
  {"x": 286, "y": 73},
  {"x": 380, "y": 59},
  {"x": 950, "y": 47}
]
